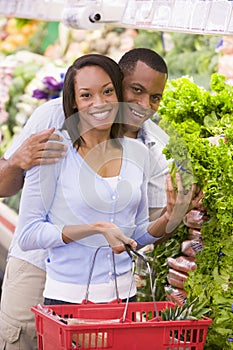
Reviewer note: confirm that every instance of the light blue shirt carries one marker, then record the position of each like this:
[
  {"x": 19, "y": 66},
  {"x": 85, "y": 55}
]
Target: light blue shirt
[{"x": 71, "y": 193}]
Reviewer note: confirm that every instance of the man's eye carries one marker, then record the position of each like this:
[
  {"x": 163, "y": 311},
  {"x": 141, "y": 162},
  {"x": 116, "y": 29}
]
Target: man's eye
[
  {"x": 137, "y": 90},
  {"x": 156, "y": 98}
]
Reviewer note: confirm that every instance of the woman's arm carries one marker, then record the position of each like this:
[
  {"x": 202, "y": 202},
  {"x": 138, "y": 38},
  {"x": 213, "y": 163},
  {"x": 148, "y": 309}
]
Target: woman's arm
[
  {"x": 38, "y": 232},
  {"x": 37, "y": 196},
  {"x": 114, "y": 236}
]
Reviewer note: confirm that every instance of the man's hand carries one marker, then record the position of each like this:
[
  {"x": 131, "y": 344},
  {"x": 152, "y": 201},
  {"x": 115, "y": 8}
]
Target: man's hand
[{"x": 44, "y": 147}]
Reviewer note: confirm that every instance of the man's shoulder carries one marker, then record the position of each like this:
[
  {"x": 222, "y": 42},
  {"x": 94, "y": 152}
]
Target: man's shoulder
[
  {"x": 48, "y": 114},
  {"x": 134, "y": 143},
  {"x": 135, "y": 149},
  {"x": 51, "y": 105},
  {"x": 154, "y": 133}
]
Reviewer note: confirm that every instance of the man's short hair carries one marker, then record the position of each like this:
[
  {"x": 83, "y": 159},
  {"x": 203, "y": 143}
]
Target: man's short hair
[{"x": 151, "y": 58}]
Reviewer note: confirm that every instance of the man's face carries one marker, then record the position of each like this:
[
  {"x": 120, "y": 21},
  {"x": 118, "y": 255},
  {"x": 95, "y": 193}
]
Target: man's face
[{"x": 142, "y": 90}]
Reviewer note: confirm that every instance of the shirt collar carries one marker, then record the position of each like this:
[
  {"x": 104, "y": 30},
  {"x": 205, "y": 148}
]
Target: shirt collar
[{"x": 151, "y": 134}]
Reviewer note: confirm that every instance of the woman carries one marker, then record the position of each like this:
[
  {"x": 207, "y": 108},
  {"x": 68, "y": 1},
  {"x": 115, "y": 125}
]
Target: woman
[{"x": 95, "y": 200}]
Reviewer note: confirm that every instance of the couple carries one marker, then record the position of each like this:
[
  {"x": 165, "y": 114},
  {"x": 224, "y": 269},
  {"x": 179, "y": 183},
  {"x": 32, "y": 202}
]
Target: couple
[{"x": 95, "y": 196}]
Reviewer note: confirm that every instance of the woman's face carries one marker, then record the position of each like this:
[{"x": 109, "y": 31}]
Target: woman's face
[{"x": 95, "y": 98}]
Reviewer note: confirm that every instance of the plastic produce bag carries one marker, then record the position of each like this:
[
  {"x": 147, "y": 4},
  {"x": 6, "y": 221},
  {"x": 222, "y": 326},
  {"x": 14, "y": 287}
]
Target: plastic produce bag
[
  {"x": 175, "y": 295},
  {"x": 191, "y": 247},
  {"x": 195, "y": 218},
  {"x": 182, "y": 263},
  {"x": 194, "y": 234},
  {"x": 176, "y": 278}
]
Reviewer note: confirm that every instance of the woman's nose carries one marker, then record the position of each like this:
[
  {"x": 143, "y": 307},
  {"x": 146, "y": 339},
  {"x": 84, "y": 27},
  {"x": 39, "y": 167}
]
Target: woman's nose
[{"x": 99, "y": 100}]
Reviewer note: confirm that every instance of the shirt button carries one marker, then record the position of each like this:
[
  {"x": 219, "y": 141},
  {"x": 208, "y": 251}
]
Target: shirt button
[
  {"x": 112, "y": 220},
  {"x": 110, "y": 273},
  {"x": 108, "y": 256},
  {"x": 114, "y": 197}
]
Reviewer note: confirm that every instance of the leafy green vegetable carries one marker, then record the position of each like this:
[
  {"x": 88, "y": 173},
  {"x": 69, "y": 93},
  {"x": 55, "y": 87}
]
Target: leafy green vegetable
[{"x": 197, "y": 114}]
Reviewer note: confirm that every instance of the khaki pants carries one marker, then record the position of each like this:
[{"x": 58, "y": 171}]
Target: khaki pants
[{"x": 22, "y": 287}]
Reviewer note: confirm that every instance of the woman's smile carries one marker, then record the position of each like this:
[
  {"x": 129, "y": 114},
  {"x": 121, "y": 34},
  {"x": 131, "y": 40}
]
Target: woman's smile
[{"x": 102, "y": 114}]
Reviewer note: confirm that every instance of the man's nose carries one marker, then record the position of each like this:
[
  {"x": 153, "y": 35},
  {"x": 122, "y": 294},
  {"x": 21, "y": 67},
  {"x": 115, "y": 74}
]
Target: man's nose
[{"x": 144, "y": 101}]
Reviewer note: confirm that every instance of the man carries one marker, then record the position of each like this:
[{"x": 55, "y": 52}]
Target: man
[{"x": 145, "y": 75}]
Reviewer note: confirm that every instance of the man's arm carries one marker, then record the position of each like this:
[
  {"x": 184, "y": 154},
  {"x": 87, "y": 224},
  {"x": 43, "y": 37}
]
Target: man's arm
[
  {"x": 12, "y": 178},
  {"x": 34, "y": 151}
]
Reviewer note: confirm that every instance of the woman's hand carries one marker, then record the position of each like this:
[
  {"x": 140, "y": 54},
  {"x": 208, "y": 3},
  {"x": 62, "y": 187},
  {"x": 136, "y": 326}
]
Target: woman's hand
[
  {"x": 177, "y": 206},
  {"x": 177, "y": 203},
  {"x": 115, "y": 237}
]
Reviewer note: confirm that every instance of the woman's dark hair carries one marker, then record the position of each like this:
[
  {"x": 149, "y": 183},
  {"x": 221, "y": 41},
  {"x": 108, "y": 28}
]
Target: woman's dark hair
[{"x": 114, "y": 72}]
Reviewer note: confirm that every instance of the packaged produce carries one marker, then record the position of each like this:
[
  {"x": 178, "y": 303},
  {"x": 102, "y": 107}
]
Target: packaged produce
[
  {"x": 176, "y": 278},
  {"x": 191, "y": 247},
  {"x": 182, "y": 263},
  {"x": 175, "y": 295},
  {"x": 194, "y": 234},
  {"x": 195, "y": 218}
]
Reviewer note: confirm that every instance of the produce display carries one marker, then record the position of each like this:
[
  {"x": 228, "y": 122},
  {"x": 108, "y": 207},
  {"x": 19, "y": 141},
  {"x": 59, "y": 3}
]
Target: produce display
[
  {"x": 24, "y": 75},
  {"x": 200, "y": 125},
  {"x": 197, "y": 116},
  {"x": 6, "y": 73},
  {"x": 16, "y": 33}
]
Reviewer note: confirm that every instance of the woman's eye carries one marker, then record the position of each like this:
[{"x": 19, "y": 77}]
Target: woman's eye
[
  {"x": 86, "y": 95},
  {"x": 109, "y": 91}
]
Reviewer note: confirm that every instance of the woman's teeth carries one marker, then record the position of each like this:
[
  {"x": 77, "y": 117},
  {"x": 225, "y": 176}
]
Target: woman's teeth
[{"x": 100, "y": 115}]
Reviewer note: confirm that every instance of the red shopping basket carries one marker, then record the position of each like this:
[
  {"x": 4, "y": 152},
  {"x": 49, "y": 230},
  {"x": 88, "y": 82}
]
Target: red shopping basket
[{"x": 100, "y": 326}]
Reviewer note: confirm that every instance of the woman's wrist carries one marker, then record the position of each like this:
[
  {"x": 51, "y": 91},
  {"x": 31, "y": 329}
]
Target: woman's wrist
[
  {"x": 158, "y": 227},
  {"x": 99, "y": 227}
]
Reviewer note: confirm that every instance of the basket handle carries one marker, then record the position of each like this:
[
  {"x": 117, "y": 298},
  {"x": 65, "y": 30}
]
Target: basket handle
[
  {"x": 91, "y": 272},
  {"x": 130, "y": 250}
]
